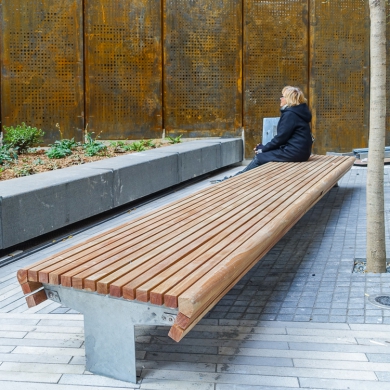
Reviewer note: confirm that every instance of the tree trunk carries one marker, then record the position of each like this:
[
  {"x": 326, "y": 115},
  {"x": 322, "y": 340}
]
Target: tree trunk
[{"x": 376, "y": 245}]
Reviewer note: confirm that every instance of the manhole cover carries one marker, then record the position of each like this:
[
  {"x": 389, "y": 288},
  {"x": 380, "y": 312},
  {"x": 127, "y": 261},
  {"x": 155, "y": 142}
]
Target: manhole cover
[{"x": 383, "y": 300}]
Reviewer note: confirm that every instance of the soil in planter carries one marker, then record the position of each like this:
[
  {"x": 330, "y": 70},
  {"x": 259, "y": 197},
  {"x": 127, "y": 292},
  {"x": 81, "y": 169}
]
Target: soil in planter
[{"x": 36, "y": 161}]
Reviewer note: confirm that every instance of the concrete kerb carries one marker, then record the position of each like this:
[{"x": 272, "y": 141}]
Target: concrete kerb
[{"x": 35, "y": 205}]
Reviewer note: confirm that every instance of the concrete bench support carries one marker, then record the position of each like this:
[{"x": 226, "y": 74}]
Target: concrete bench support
[{"x": 109, "y": 328}]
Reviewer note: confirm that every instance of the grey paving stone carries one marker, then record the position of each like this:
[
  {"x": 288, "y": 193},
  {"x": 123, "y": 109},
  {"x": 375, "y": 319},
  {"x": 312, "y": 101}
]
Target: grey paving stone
[
  {"x": 258, "y": 380},
  {"x": 92, "y": 380},
  {"x": 383, "y": 376},
  {"x": 29, "y": 377},
  {"x": 373, "y": 320},
  {"x": 320, "y": 372},
  {"x": 341, "y": 384}
]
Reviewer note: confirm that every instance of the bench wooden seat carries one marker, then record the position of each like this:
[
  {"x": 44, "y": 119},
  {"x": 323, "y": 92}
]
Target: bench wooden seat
[{"x": 175, "y": 263}]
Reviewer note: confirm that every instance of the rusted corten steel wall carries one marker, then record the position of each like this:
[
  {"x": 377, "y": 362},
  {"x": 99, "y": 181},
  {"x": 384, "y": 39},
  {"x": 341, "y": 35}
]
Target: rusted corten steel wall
[
  {"x": 193, "y": 67},
  {"x": 203, "y": 67},
  {"x": 339, "y": 74},
  {"x": 42, "y": 65},
  {"x": 275, "y": 55},
  {"x": 123, "y": 68}
]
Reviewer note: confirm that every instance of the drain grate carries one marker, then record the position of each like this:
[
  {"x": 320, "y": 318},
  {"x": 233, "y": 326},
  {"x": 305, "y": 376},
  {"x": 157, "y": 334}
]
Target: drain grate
[{"x": 383, "y": 300}]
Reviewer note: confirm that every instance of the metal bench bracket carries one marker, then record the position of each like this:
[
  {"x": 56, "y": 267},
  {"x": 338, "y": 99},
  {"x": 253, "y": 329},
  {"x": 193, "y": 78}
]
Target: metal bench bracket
[{"x": 109, "y": 328}]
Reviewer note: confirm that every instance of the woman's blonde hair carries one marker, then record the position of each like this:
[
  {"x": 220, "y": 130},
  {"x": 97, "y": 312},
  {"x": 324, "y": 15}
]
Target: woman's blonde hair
[{"x": 293, "y": 95}]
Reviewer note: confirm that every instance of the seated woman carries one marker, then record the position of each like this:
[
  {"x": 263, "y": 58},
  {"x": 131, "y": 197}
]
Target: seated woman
[{"x": 293, "y": 140}]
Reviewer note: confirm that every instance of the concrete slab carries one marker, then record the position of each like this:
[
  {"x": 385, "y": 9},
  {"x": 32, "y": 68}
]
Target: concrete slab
[{"x": 35, "y": 205}]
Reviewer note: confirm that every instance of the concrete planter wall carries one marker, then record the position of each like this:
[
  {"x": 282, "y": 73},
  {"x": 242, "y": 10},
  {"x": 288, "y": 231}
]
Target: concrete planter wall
[{"x": 34, "y": 205}]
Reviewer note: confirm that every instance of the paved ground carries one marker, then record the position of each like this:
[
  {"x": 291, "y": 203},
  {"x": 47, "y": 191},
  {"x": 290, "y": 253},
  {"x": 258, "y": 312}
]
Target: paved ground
[{"x": 299, "y": 319}]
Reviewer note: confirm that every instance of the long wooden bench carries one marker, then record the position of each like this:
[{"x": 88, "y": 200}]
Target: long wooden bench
[{"x": 174, "y": 264}]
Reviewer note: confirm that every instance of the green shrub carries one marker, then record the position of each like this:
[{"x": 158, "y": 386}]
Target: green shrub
[
  {"x": 119, "y": 146},
  {"x": 24, "y": 170},
  {"x": 62, "y": 148},
  {"x": 175, "y": 140},
  {"x": 92, "y": 147},
  {"x": 7, "y": 154},
  {"x": 22, "y": 137},
  {"x": 137, "y": 146},
  {"x": 58, "y": 152},
  {"x": 149, "y": 143},
  {"x": 67, "y": 144}
]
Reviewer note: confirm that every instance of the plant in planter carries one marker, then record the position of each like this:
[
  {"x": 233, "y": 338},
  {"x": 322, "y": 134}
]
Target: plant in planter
[
  {"x": 175, "y": 140},
  {"x": 93, "y": 147},
  {"x": 22, "y": 137},
  {"x": 7, "y": 154},
  {"x": 62, "y": 148}
]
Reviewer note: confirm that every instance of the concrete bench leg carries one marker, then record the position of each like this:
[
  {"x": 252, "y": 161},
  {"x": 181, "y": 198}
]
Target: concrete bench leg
[{"x": 109, "y": 328}]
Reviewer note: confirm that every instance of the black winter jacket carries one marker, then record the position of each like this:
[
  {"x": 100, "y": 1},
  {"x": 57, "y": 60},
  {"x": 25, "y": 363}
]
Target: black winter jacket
[{"x": 293, "y": 133}]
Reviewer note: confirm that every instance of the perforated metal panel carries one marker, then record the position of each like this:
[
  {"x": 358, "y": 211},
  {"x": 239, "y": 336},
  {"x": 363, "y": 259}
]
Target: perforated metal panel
[
  {"x": 124, "y": 75},
  {"x": 42, "y": 76},
  {"x": 202, "y": 69},
  {"x": 275, "y": 55},
  {"x": 339, "y": 84}
]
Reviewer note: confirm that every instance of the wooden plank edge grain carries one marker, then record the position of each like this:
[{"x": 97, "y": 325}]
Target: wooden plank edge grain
[
  {"x": 22, "y": 275},
  {"x": 194, "y": 298},
  {"x": 36, "y": 298},
  {"x": 30, "y": 287}
]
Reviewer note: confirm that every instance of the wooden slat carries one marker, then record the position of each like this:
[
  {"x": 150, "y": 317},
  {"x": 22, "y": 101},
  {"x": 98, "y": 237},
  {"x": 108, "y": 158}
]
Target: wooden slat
[
  {"x": 217, "y": 279},
  {"x": 75, "y": 277},
  {"x": 37, "y": 298},
  {"x": 43, "y": 270},
  {"x": 184, "y": 324},
  {"x": 275, "y": 205},
  {"x": 107, "y": 275},
  {"x": 196, "y": 256},
  {"x": 30, "y": 287},
  {"x": 237, "y": 210},
  {"x": 100, "y": 240}
]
